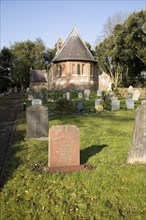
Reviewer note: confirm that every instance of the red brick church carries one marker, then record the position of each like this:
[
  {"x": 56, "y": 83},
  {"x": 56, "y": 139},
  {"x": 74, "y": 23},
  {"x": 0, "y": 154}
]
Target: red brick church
[{"x": 72, "y": 66}]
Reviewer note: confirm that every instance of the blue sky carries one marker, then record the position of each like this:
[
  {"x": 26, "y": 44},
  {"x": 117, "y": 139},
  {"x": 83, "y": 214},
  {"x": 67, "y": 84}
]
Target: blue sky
[{"x": 29, "y": 19}]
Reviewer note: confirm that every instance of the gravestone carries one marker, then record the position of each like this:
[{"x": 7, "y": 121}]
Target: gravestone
[
  {"x": 136, "y": 95},
  {"x": 130, "y": 89},
  {"x": 115, "y": 104},
  {"x": 64, "y": 149},
  {"x": 68, "y": 95},
  {"x": 87, "y": 94},
  {"x": 37, "y": 122},
  {"x": 36, "y": 102},
  {"x": 97, "y": 102},
  {"x": 99, "y": 93},
  {"x": 15, "y": 89},
  {"x": 129, "y": 104},
  {"x": 137, "y": 153},
  {"x": 143, "y": 102},
  {"x": 80, "y": 95},
  {"x": 79, "y": 107}
]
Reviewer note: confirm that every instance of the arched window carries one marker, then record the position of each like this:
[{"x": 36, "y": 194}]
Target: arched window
[
  {"x": 73, "y": 68},
  {"x": 91, "y": 72},
  {"x": 78, "y": 69},
  {"x": 83, "y": 68},
  {"x": 60, "y": 70}
]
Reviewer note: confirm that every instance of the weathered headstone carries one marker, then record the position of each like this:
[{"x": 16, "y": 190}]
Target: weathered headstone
[
  {"x": 136, "y": 94},
  {"x": 87, "y": 94},
  {"x": 99, "y": 93},
  {"x": 79, "y": 107},
  {"x": 80, "y": 95},
  {"x": 137, "y": 153},
  {"x": 97, "y": 102},
  {"x": 130, "y": 89},
  {"x": 37, "y": 122},
  {"x": 115, "y": 104},
  {"x": 68, "y": 95},
  {"x": 36, "y": 102},
  {"x": 129, "y": 104},
  {"x": 64, "y": 149}
]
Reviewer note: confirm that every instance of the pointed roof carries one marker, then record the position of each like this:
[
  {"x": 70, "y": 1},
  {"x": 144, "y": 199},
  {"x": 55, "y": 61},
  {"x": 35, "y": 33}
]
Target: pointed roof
[{"x": 74, "y": 49}]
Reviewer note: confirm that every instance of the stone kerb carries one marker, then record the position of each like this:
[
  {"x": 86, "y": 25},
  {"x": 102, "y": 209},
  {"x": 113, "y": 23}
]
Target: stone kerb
[
  {"x": 137, "y": 153},
  {"x": 64, "y": 149}
]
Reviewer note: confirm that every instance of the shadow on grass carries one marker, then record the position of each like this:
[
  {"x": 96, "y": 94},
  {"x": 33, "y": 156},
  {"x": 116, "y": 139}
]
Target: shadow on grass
[
  {"x": 90, "y": 151},
  {"x": 12, "y": 161}
]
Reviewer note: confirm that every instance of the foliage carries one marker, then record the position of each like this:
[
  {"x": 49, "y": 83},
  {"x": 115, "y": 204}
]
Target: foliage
[
  {"x": 112, "y": 190},
  {"x": 64, "y": 106},
  {"x": 5, "y": 69},
  {"x": 122, "y": 54}
]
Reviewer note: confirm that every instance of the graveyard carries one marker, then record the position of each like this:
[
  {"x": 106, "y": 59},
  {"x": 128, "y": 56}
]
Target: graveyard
[{"x": 106, "y": 188}]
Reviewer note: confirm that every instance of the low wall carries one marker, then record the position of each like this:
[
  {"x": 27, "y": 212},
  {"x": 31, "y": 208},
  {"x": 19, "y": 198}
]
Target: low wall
[{"x": 123, "y": 91}]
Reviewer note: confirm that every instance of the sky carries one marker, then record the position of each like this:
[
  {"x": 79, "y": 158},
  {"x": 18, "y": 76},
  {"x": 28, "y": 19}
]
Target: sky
[{"x": 50, "y": 20}]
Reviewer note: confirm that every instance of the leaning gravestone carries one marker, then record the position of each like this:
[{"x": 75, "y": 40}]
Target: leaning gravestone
[
  {"x": 115, "y": 104},
  {"x": 64, "y": 149},
  {"x": 137, "y": 152},
  {"x": 37, "y": 122}
]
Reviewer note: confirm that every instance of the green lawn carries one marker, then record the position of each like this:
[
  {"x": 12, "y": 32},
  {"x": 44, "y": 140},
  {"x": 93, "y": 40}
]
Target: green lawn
[{"x": 109, "y": 189}]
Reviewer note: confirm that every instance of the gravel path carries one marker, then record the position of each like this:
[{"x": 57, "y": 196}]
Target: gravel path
[{"x": 9, "y": 107}]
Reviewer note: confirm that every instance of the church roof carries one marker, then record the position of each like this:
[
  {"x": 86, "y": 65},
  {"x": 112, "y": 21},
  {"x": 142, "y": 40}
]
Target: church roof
[
  {"x": 38, "y": 75},
  {"x": 74, "y": 49}
]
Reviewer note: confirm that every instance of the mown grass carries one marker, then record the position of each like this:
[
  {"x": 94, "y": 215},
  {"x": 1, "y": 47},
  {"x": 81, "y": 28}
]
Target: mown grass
[{"x": 112, "y": 190}]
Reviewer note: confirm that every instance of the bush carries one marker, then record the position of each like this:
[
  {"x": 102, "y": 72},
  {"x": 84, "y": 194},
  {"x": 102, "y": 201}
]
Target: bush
[{"x": 64, "y": 106}]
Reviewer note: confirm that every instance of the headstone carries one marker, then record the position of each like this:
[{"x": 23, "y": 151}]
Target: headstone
[
  {"x": 87, "y": 94},
  {"x": 129, "y": 96},
  {"x": 97, "y": 102},
  {"x": 129, "y": 104},
  {"x": 130, "y": 89},
  {"x": 37, "y": 122},
  {"x": 64, "y": 149},
  {"x": 68, "y": 95},
  {"x": 137, "y": 153},
  {"x": 36, "y": 102},
  {"x": 99, "y": 93},
  {"x": 136, "y": 95},
  {"x": 115, "y": 104},
  {"x": 79, "y": 107},
  {"x": 80, "y": 95}
]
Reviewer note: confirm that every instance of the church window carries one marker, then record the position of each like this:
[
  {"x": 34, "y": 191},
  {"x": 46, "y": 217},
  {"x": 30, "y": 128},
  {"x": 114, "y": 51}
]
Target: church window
[
  {"x": 78, "y": 69},
  {"x": 60, "y": 70},
  {"x": 83, "y": 68},
  {"x": 91, "y": 72},
  {"x": 73, "y": 68}
]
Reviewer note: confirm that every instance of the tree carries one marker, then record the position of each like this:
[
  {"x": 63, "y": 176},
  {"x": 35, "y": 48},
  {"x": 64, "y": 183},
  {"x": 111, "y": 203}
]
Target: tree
[
  {"x": 5, "y": 69},
  {"x": 124, "y": 50},
  {"x": 27, "y": 55}
]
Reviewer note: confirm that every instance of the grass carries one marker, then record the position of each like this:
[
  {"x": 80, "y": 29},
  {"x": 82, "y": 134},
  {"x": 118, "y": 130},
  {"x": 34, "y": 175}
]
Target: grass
[{"x": 113, "y": 190}]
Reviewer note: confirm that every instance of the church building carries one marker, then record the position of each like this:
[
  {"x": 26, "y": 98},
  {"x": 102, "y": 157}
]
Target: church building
[{"x": 73, "y": 65}]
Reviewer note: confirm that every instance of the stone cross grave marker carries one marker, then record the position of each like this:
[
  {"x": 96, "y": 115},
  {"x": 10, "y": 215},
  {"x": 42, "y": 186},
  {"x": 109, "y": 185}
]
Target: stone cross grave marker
[
  {"x": 37, "y": 122},
  {"x": 137, "y": 153},
  {"x": 64, "y": 149},
  {"x": 115, "y": 104}
]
